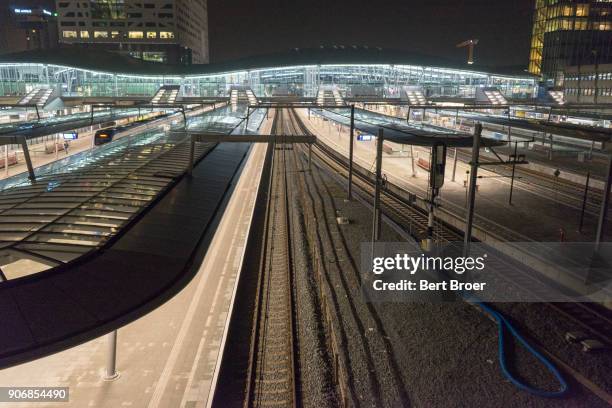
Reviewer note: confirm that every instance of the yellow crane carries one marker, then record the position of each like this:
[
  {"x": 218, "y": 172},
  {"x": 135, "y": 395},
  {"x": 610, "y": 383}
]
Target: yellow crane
[{"x": 470, "y": 44}]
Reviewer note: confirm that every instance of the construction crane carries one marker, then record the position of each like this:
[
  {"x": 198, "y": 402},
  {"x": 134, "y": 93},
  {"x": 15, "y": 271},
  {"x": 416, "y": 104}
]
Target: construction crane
[{"x": 470, "y": 44}]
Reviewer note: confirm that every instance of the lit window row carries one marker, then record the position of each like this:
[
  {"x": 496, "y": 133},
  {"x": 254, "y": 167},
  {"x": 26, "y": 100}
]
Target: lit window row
[
  {"x": 578, "y": 24},
  {"x": 164, "y": 35},
  {"x": 589, "y": 91},
  {"x": 602, "y": 76}
]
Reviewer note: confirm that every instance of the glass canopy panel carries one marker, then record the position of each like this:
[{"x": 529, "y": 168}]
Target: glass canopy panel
[{"x": 78, "y": 203}]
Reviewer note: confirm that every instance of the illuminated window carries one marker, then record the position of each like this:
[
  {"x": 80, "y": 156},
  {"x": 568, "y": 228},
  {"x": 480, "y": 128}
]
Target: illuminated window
[
  {"x": 154, "y": 56},
  {"x": 580, "y": 25},
  {"x": 135, "y": 34},
  {"x": 151, "y": 34},
  {"x": 582, "y": 10},
  {"x": 100, "y": 34},
  {"x": 114, "y": 34},
  {"x": 566, "y": 24},
  {"x": 166, "y": 34},
  {"x": 84, "y": 34},
  {"x": 69, "y": 34},
  {"x": 604, "y": 26}
]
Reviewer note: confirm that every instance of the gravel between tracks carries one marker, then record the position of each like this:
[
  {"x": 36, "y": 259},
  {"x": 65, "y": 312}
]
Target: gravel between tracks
[
  {"x": 447, "y": 353},
  {"x": 316, "y": 384}
]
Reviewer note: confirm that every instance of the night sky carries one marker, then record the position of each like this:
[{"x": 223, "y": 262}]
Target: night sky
[{"x": 241, "y": 28}]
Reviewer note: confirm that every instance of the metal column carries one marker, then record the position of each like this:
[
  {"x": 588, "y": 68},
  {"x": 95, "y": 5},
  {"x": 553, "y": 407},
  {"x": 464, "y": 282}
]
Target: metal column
[
  {"x": 376, "y": 212},
  {"x": 584, "y": 200},
  {"x": 412, "y": 160},
  {"x": 469, "y": 219},
  {"x": 513, "y": 171},
  {"x": 111, "y": 362},
  {"x": 454, "y": 164},
  {"x": 351, "y": 141},
  {"x": 604, "y": 207},
  {"x": 309, "y": 156},
  {"x": 430, "y": 225},
  {"x": 26, "y": 155},
  {"x": 191, "y": 154}
]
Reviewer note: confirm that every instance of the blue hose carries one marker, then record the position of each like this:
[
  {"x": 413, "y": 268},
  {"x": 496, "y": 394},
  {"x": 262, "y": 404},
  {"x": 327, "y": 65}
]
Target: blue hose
[{"x": 503, "y": 324}]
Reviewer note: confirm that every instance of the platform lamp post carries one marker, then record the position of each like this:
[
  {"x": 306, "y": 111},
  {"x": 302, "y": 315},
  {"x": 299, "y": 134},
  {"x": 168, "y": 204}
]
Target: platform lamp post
[
  {"x": 469, "y": 218},
  {"x": 351, "y": 142}
]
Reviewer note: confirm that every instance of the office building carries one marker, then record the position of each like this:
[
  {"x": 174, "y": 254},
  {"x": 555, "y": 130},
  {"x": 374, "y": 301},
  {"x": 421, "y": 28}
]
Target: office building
[
  {"x": 27, "y": 26},
  {"x": 170, "y": 31},
  {"x": 569, "y": 33}
]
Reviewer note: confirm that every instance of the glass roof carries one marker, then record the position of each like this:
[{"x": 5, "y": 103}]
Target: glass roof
[{"x": 77, "y": 204}]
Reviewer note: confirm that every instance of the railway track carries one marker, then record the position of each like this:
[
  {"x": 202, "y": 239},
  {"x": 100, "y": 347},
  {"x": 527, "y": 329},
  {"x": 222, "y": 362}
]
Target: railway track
[
  {"x": 560, "y": 190},
  {"x": 272, "y": 368},
  {"x": 370, "y": 374},
  {"x": 589, "y": 317}
]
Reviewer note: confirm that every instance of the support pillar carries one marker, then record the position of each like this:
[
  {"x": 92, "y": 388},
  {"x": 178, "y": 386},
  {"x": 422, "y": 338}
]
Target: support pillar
[
  {"x": 430, "y": 225},
  {"x": 26, "y": 155},
  {"x": 351, "y": 142},
  {"x": 412, "y": 160},
  {"x": 376, "y": 212},
  {"x": 111, "y": 360},
  {"x": 513, "y": 171},
  {"x": 467, "y": 236},
  {"x": 454, "y": 164},
  {"x": 604, "y": 207},
  {"x": 584, "y": 200},
  {"x": 510, "y": 140},
  {"x": 191, "y": 154},
  {"x": 309, "y": 156}
]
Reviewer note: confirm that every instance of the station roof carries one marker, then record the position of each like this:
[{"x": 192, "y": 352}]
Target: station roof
[{"x": 116, "y": 63}]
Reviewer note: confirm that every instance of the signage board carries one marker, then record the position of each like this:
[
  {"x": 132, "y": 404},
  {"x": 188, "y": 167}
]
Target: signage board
[{"x": 364, "y": 138}]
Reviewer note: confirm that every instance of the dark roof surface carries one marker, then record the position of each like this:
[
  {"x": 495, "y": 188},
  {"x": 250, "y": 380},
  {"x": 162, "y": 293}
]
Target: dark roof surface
[
  {"x": 112, "y": 62},
  {"x": 60, "y": 308}
]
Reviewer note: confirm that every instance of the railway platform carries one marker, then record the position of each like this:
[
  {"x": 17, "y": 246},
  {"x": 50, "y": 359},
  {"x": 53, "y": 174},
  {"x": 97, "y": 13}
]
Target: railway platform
[
  {"x": 535, "y": 214},
  {"x": 169, "y": 357}
]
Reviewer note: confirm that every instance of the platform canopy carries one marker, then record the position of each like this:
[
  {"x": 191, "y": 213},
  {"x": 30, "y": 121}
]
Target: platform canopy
[
  {"x": 13, "y": 133},
  {"x": 395, "y": 131},
  {"x": 591, "y": 133}
]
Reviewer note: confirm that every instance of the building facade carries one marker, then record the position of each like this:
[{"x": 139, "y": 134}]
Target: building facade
[
  {"x": 27, "y": 26},
  {"x": 588, "y": 83},
  {"x": 169, "y": 31},
  {"x": 569, "y": 33}
]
